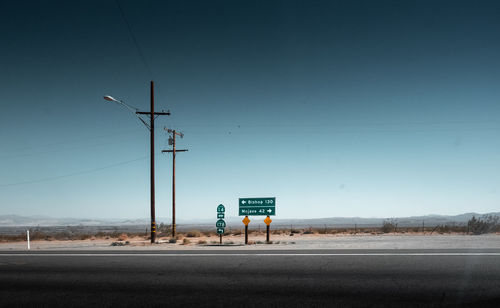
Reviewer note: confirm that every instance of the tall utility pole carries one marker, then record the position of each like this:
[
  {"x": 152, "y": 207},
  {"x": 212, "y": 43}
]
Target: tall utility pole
[
  {"x": 151, "y": 126},
  {"x": 171, "y": 141}
]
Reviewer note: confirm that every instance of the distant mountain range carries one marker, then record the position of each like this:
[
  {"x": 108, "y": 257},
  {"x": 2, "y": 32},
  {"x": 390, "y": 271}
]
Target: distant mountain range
[{"x": 428, "y": 220}]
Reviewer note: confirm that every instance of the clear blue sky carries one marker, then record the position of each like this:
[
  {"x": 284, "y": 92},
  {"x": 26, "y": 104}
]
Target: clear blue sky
[{"x": 336, "y": 108}]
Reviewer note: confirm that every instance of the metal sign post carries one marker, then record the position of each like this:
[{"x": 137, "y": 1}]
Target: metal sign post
[
  {"x": 268, "y": 223},
  {"x": 246, "y": 221}
]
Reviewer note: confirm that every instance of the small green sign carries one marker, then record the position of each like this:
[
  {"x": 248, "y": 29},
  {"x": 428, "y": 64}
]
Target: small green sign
[
  {"x": 257, "y": 206},
  {"x": 220, "y": 215},
  {"x": 221, "y": 208},
  {"x": 220, "y": 223},
  {"x": 220, "y": 230}
]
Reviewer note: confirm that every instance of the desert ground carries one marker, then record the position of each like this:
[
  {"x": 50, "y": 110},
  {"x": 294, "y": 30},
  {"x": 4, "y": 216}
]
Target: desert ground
[{"x": 281, "y": 241}]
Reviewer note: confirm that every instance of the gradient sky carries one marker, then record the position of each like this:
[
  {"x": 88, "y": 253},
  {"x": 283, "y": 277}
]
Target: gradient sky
[{"x": 336, "y": 108}]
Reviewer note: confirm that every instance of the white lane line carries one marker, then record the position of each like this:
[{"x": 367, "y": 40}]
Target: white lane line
[{"x": 245, "y": 254}]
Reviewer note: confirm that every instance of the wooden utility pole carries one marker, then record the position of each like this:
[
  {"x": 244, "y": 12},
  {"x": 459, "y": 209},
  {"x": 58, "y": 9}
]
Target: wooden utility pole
[
  {"x": 171, "y": 141},
  {"x": 151, "y": 126},
  {"x": 152, "y": 115}
]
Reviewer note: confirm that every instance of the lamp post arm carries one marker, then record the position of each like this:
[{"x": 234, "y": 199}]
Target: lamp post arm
[{"x": 134, "y": 111}]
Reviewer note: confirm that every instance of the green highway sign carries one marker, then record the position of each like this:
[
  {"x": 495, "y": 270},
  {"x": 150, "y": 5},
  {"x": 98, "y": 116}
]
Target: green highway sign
[
  {"x": 221, "y": 208},
  {"x": 220, "y": 223},
  {"x": 257, "y": 206}
]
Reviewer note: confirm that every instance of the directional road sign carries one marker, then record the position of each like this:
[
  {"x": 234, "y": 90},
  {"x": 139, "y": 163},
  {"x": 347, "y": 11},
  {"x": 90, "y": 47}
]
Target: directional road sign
[
  {"x": 220, "y": 230},
  {"x": 220, "y": 215},
  {"x": 257, "y": 206}
]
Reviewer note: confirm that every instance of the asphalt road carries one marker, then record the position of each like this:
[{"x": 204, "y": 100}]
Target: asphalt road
[{"x": 231, "y": 278}]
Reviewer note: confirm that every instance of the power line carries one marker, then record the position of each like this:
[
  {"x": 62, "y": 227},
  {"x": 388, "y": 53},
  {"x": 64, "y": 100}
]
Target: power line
[
  {"x": 345, "y": 124},
  {"x": 75, "y": 140},
  {"x": 74, "y": 173},
  {"x": 34, "y": 153},
  {"x": 134, "y": 39}
]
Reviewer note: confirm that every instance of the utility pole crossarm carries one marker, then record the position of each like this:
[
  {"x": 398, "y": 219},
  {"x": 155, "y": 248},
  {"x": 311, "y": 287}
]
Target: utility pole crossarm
[
  {"x": 149, "y": 113},
  {"x": 171, "y": 151}
]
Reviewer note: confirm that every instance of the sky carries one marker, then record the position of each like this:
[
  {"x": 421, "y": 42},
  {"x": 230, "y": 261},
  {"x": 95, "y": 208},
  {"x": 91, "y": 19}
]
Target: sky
[{"x": 336, "y": 108}]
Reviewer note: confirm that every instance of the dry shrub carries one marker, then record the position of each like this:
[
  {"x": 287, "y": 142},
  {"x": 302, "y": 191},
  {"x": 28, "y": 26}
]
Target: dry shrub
[
  {"x": 487, "y": 224},
  {"x": 194, "y": 233},
  {"x": 389, "y": 226},
  {"x": 172, "y": 240},
  {"x": 186, "y": 241},
  {"x": 123, "y": 237},
  {"x": 323, "y": 231},
  {"x": 207, "y": 233},
  {"x": 201, "y": 242},
  {"x": 13, "y": 238}
]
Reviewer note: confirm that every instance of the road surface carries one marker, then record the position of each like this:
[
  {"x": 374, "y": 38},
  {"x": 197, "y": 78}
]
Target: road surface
[{"x": 232, "y": 278}]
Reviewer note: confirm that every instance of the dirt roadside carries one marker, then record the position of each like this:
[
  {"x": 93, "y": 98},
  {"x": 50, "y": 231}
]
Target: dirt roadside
[{"x": 298, "y": 241}]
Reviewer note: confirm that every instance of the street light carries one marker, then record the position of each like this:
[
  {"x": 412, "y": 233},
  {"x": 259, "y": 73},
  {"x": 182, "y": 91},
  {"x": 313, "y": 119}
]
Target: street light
[
  {"x": 110, "y": 98},
  {"x": 132, "y": 109},
  {"x": 152, "y": 115}
]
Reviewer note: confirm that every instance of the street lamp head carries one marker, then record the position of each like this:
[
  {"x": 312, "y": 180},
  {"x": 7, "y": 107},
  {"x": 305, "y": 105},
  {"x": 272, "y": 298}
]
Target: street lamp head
[{"x": 110, "y": 98}]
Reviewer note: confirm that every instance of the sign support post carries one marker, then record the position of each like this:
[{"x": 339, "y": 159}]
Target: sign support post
[
  {"x": 268, "y": 223},
  {"x": 246, "y": 235},
  {"x": 246, "y": 221}
]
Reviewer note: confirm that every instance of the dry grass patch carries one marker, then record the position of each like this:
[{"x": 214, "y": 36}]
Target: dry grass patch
[{"x": 193, "y": 233}]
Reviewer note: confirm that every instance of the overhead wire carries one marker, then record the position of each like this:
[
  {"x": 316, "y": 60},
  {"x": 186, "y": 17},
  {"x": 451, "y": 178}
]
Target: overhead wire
[
  {"x": 74, "y": 173},
  {"x": 131, "y": 33},
  {"x": 74, "y": 140}
]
